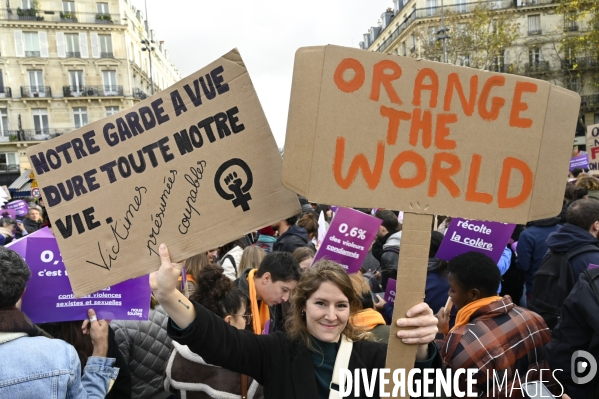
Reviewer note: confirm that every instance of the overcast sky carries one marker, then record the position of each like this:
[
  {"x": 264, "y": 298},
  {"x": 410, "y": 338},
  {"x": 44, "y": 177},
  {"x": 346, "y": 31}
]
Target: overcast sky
[{"x": 266, "y": 32}]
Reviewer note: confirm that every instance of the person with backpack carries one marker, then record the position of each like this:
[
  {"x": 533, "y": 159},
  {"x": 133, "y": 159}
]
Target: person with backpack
[
  {"x": 577, "y": 330},
  {"x": 571, "y": 249},
  {"x": 532, "y": 247},
  {"x": 230, "y": 261}
]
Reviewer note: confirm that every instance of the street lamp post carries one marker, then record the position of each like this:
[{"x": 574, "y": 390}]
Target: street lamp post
[
  {"x": 443, "y": 33},
  {"x": 148, "y": 46}
]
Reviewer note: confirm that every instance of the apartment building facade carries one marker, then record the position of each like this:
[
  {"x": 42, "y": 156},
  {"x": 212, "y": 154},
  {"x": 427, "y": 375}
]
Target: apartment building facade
[
  {"x": 64, "y": 64},
  {"x": 536, "y": 50}
]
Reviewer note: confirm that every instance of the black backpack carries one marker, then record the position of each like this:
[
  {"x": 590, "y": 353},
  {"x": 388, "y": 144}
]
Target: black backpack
[{"x": 553, "y": 282}]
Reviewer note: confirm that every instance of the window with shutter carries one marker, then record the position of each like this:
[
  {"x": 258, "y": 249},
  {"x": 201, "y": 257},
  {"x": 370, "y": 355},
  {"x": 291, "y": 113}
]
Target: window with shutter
[{"x": 32, "y": 44}]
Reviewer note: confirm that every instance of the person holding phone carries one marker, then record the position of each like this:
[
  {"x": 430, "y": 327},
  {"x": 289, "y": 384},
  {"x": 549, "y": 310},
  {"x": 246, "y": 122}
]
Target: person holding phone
[{"x": 35, "y": 365}]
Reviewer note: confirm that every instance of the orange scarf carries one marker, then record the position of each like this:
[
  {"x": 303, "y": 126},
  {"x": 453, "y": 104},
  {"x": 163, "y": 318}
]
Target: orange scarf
[
  {"x": 464, "y": 314},
  {"x": 367, "y": 319},
  {"x": 260, "y": 314}
]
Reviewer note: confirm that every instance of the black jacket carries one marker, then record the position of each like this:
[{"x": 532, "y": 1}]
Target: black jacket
[
  {"x": 31, "y": 226},
  {"x": 295, "y": 237},
  {"x": 146, "y": 348},
  {"x": 283, "y": 368},
  {"x": 390, "y": 258},
  {"x": 578, "y": 329},
  {"x": 377, "y": 245}
]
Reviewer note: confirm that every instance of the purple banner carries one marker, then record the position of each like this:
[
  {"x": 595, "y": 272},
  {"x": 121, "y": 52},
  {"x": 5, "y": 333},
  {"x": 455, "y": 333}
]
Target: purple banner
[
  {"x": 592, "y": 266},
  {"x": 19, "y": 206},
  {"x": 390, "y": 291},
  {"x": 581, "y": 161},
  {"x": 49, "y": 297},
  {"x": 349, "y": 238},
  {"x": 489, "y": 238}
]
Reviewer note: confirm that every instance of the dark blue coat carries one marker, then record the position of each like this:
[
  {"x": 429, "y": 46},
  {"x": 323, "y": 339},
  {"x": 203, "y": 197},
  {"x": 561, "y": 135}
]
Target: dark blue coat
[
  {"x": 532, "y": 247},
  {"x": 570, "y": 237}
]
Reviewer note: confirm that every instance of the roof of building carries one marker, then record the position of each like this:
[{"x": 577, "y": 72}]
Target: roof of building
[{"x": 22, "y": 183}]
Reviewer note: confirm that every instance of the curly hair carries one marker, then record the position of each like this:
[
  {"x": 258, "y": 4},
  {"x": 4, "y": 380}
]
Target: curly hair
[
  {"x": 323, "y": 271},
  {"x": 589, "y": 182},
  {"x": 217, "y": 293}
]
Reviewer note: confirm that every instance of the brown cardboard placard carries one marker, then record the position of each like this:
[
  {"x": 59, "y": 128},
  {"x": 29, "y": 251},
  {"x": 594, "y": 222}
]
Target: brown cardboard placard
[
  {"x": 593, "y": 149},
  {"x": 367, "y": 129},
  {"x": 413, "y": 258},
  {"x": 342, "y": 135},
  {"x": 194, "y": 166}
]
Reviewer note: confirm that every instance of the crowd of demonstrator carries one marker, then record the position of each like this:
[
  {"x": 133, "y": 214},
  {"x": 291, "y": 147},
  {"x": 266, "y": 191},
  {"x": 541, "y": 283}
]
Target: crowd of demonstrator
[{"x": 256, "y": 318}]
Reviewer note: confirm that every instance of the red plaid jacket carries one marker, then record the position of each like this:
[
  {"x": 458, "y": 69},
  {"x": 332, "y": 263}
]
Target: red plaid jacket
[{"x": 503, "y": 342}]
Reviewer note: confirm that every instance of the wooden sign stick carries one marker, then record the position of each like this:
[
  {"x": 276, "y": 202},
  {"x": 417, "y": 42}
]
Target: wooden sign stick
[{"x": 411, "y": 281}]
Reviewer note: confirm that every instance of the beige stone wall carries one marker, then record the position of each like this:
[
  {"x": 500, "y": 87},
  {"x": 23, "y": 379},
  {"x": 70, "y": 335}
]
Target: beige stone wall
[{"x": 125, "y": 28}]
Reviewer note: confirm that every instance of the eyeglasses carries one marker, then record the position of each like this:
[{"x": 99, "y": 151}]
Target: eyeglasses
[{"x": 247, "y": 318}]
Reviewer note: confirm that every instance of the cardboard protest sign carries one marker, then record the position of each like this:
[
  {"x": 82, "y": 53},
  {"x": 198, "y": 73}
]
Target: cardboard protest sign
[
  {"x": 348, "y": 239},
  {"x": 390, "y": 291},
  {"x": 49, "y": 298},
  {"x": 194, "y": 166},
  {"x": 489, "y": 238},
  {"x": 20, "y": 207},
  {"x": 426, "y": 137},
  {"x": 367, "y": 129},
  {"x": 580, "y": 161},
  {"x": 593, "y": 148}
]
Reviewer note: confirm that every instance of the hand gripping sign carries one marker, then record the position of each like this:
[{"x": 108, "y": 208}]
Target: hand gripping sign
[
  {"x": 367, "y": 129},
  {"x": 194, "y": 166}
]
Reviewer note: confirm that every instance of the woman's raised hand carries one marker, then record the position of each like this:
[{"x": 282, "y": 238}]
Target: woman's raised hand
[
  {"x": 164, "y": 286},
  {"x": 166, "y": 278}
]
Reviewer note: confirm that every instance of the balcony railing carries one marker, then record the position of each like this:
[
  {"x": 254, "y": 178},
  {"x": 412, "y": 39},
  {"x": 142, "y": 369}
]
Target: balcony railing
[
  {"x": 73, "y": 54},
  {"x": 32, "y": 54},
  {"x": 571, "y": 27},
  {"x": 536, "y": 67},
  {"x": 58, "y": 16},
  {"x": 29, "y": 14},
  {"x": 106, "y": 54},
  {"x": 35, "y": 91},
  {"x": 463, "y": 8},
  {"x": 535, "y": 32},
  {"x": 137, "y": 93},
  {"x": 589, "y": 101},
  {"x": 581, "y": 63},
  {"x": 33, "y": 134},
  {"x": 92, "y": 91},
  {"x": 5, "y": 92}
]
